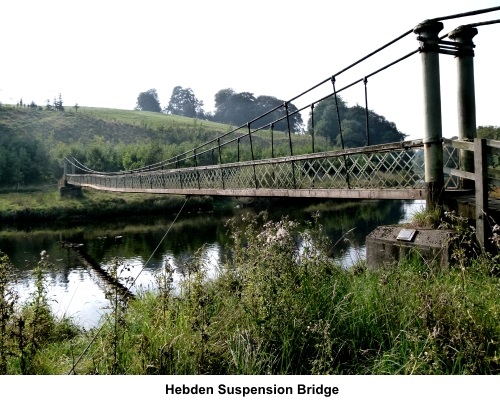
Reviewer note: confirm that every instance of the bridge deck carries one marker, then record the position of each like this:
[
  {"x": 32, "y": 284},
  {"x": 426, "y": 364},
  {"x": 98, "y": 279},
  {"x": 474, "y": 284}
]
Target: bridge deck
[{"x": 353, "y": 193}]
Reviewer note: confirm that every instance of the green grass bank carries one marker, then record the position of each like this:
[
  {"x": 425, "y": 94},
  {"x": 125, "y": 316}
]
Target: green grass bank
[{"x": 43, "y": 205}]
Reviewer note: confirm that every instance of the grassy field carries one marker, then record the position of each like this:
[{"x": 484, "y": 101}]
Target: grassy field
[
  {"x": 108, "y": 123},
  {"x": 135, "y": 117}
]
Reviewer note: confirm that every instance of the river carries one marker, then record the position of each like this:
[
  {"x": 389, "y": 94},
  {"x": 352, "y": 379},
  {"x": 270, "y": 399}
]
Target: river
[{"x": 144, "y": 246}]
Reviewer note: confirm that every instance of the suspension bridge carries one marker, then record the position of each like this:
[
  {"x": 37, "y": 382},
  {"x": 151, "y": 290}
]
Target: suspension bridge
[{"x": 426, "y": 168}]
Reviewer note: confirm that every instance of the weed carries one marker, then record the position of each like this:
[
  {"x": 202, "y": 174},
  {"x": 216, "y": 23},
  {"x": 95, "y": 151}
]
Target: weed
[
  {"x": 8, "y": 300},
  {"x": 427, "y": 218},
  {"x": 117, "y": 317}
]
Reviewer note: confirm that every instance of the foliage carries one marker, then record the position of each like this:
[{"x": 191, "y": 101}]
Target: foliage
[
  {"x": 281, "y": 305},
  {"x": 58, "y": 104},
  {"x": 22, "y": 158},
  {"x": 33, "y": 142},
  {"x": 240, "y": 108},
  {"x": 30, "y": 205},
  {"x": 352, "y": 124},
  {"x": 488, "y": 132},
  {"x": 148, "y": 101},
  {"x": 184, "y": 102},
  {"x": 491, "y": 132},
  {"x": 8, "y": 300},
  {"x": 31, "y": 328},
  {"x": 427, "y": 218},
  {"x": 114, "y": 362}
]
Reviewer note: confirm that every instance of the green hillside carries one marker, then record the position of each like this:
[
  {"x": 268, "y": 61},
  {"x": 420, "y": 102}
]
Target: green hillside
[
  {"x": 33, "y": 141},
  {"x": 113, "y": 125}
]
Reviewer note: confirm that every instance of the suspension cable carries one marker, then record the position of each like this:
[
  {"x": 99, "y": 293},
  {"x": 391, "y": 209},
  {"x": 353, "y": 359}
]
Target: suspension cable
[
  {"x": 466, "y": 14},
  {"x": 483, "y": 23}
]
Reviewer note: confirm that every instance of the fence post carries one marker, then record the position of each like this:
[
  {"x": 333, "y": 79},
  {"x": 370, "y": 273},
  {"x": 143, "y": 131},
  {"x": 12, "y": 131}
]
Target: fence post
[
  {"x": 197, "y": 171},
  {"x": 253, "y": 157},
  {"x": 466, "y": 95},
  {"x": 481, "y": 186},
  {"x": 433, "y": 136},
  {"x": 65, "y": 171},
  {"x": 290, "y": 142}
]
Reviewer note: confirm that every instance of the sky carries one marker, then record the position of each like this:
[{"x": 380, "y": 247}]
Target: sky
[{"x": 104, "y": 53}]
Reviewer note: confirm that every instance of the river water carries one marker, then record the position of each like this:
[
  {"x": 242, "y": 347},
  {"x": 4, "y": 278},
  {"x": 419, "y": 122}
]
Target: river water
[{"x": 144, "y": 247}]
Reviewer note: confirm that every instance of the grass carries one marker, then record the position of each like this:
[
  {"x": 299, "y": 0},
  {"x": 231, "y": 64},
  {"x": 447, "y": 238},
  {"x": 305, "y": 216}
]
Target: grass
[
  {"x": 135, "y": 117},
  {"x": 44, "y": 205},
  {"x": 280, "y": 305},
  {"x": 128, "y": 126},
  {"x": 36, "y": 141}
]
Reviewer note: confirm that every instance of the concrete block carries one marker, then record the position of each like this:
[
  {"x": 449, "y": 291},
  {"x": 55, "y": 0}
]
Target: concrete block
[
  {"x": 70, "y": 191},
  {"x": 384, "y": 248}
]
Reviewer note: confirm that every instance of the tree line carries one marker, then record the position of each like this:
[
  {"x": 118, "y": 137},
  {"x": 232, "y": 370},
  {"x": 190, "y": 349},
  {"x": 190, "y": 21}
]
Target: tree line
[
  {"x": 331, "y": 118},
  {"x": 56, "y": 105},
  {"x": 230, "y": 108}
]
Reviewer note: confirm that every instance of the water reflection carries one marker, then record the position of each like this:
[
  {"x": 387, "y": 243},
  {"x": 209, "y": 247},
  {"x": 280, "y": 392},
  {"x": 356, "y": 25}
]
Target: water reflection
[{"x": 77, "y": 292}]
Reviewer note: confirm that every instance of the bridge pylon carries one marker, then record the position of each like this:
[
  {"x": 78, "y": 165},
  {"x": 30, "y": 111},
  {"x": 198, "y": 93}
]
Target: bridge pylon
[
  {"x": 466, "y": 99},
  {"x": 427, "y": 34}
]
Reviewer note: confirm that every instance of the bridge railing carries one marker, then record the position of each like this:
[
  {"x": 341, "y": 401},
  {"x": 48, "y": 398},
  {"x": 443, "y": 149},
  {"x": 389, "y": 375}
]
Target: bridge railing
[
  {"x": 485, "y": 175},
  {"x": 489, "y": 163},
  {"x": 394, "y": 166}
]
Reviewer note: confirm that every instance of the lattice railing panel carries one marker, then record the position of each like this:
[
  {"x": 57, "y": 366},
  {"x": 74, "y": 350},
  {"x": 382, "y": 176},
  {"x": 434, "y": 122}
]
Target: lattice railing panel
[
  {"x": 451, "y": 159},
  {"x": 239, "y": 177},
  {"x": 393, "y": 166}
]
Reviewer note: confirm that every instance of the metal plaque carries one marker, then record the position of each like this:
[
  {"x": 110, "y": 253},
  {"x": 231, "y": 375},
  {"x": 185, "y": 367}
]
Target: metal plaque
[{"x": 406, "y": 234}]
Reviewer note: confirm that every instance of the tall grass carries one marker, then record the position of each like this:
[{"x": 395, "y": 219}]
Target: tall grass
[
  {"x": 42, "y": 206},
  {"x": 281, "y": 305},
  {"x": 28, "y": 331}
]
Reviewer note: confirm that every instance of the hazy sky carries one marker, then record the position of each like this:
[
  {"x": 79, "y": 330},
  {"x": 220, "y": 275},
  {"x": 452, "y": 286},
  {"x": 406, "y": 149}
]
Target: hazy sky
[{"x": 104, "y": 53}]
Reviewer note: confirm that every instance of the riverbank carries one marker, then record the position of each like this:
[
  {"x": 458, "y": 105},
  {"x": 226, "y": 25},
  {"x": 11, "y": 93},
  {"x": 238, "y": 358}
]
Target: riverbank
[
  {"x": 279, "y": 305},
  {"x": 44, "y": 206},
  {"x": 37, "y": 205}
]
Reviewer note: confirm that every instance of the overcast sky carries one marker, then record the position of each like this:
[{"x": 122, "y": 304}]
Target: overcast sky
[{"x": 104, "y": 53}]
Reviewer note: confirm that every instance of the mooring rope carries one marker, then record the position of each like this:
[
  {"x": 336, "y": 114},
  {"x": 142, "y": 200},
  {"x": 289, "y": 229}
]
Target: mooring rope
[{"x": 145, "y": 264}]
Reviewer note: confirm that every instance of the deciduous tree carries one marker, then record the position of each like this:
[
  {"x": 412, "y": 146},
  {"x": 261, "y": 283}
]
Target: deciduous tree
[
  {"x": 184, "y": 102},
  {"x": 240, "y": 108},
  {"x": 353, "y": 123},
  {"x": 148, "y": 101}
]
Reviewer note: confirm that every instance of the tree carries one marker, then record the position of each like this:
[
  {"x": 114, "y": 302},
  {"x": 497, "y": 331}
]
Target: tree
[
  {"x": 184, "y": 102},
  {"x": 488, "y": 132},
  {"x": 58, "y": 105},
  {"x": 222, "y": 96},
  {"x": 148, "y": 101},
  {"x": 240, "y": 108},
  {"x": 353, "y": 123},
  {"x": 268, "y": 103}
]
